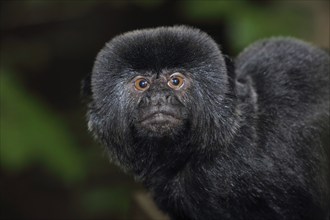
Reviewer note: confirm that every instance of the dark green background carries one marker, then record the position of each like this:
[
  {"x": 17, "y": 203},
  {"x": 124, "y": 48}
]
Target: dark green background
[{"x": 50, "y": 166}]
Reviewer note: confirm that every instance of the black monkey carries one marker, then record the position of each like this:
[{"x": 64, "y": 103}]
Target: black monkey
[{"x": 211, "y": 138}]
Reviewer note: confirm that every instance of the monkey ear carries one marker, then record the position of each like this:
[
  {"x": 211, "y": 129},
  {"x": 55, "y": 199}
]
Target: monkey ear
[
  {"x": 86, "y": 90},
  {"x": 230, "y": 70}
]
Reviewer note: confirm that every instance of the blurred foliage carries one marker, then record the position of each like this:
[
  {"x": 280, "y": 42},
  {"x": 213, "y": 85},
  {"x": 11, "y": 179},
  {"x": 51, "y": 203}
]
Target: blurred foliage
[
  {"x": 249, "y": 22},
  {"x": 31, "y": 133},
  {"x": 104, "y": 200},
  {"x": 47, "y": 47}
]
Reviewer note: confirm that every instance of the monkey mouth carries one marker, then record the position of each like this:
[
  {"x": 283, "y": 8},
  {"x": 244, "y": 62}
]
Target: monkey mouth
[{"x": 160, "y": 117}]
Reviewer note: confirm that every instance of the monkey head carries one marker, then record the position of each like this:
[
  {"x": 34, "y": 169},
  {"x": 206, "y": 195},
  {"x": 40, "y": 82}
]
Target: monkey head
[{"x": 163, "y": 85}]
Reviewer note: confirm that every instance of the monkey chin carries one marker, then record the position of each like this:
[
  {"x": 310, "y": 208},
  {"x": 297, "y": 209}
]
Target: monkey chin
[{"x": 160, "y": 125}]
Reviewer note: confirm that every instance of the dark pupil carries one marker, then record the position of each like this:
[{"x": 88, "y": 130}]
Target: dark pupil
[
  {"x": 175, "y": 81},
  {"x": 143, "y": 83}
]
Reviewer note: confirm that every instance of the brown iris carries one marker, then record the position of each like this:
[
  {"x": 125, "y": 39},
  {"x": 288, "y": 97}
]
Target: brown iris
[
  {"x": 141, "y": 84},
  {"x": 176, "y": 81}
]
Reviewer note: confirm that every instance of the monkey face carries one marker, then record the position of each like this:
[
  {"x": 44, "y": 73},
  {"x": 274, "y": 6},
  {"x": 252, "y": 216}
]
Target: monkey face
[
  {"x": 163, "y": 83},
  {"x": 161, "y": 104}
]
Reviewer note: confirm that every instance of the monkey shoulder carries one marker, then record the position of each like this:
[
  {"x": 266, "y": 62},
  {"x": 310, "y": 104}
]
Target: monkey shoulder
[
  {"x": 287, "y": 74},
  {"x": 290, "y": 80}
]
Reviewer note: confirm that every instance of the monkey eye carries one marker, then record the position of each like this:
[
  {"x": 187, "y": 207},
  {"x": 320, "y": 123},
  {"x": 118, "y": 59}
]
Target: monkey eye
[
  {"x": 176, "y": 81},
  {"x": 141, "y": 84}
]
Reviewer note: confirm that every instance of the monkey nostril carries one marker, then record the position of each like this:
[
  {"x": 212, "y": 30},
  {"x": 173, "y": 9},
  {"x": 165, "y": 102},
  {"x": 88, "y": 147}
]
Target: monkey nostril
[
  {"x": 159, "y": 99},
  {"x": 170, "y": 99}
]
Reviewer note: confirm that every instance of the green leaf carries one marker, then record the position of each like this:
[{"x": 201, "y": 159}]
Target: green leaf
[
  {"x": 104, "y": 200},
  {"x": 31, "y": 134}
]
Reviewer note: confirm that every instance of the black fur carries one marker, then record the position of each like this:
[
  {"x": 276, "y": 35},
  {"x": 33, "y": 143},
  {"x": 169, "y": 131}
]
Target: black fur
[{"x": 249, "y": 139}]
